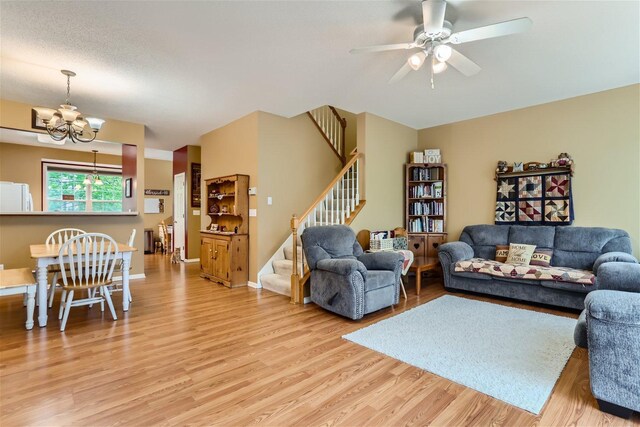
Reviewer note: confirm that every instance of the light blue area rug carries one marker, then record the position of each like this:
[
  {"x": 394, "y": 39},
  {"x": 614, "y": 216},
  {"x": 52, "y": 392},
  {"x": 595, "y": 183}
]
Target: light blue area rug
[{"x": 508, "y": 353}]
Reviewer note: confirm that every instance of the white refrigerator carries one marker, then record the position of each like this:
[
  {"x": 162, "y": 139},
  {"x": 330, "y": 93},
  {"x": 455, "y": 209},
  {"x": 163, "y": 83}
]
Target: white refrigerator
[{"x": 15, "y": 197}]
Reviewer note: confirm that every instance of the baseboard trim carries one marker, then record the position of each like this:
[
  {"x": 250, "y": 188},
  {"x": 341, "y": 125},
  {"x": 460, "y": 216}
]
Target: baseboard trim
[
  {"x": 191, "y": 260},
  {"x": 254, "y": 285},
  {"x": 306, "y": 300},
  {"x": 131, "y": 277}
]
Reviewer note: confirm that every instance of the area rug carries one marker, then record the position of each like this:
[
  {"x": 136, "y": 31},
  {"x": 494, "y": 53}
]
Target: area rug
[{"x": 508, "y": 353}]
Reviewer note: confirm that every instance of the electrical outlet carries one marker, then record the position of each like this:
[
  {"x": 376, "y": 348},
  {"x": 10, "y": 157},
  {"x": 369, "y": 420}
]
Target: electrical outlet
[
  {"x": 253, "y": 212},
  {"x": 269, "y": 201},
  {"x": 253, "y": 191}
]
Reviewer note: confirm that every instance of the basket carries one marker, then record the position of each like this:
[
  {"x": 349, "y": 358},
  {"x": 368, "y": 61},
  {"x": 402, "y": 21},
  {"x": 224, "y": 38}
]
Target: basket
[{"x": 381, "y": 244}]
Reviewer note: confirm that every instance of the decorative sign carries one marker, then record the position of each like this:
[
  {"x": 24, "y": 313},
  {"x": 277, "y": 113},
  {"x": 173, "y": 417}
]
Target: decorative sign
[
  {"x": 68, "y": 197},
  {"x": 149, "y": 192},
  {"x": 196, "y": 175}
]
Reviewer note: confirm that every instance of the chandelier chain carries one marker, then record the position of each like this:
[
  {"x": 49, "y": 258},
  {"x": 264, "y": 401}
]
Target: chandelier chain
[{"x": 68, "y": 89}]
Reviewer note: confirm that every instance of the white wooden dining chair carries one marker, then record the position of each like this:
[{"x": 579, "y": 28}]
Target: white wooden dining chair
[
  {"x": 58, "y": 237},
  {"x": 87, "y": 262},
  {"x": 117, "y": 286}
]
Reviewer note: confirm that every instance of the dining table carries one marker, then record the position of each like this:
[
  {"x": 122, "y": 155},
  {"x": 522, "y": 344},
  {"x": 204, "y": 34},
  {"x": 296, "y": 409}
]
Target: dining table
[{"x": 48, "y": 254}]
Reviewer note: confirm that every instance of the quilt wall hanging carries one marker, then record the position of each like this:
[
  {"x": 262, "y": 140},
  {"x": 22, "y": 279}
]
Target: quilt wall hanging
[{"x": 535, "y": 193}]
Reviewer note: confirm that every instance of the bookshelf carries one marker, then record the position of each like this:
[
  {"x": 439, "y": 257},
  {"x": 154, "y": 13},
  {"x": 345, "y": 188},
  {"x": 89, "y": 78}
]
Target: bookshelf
[{"x": 426, "y": 207}]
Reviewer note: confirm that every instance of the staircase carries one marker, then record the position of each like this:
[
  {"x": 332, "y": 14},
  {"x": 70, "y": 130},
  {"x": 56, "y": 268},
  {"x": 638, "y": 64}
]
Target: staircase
[
  {"x": 339, "y": 203},
  {"x": 332, "y": 127}
]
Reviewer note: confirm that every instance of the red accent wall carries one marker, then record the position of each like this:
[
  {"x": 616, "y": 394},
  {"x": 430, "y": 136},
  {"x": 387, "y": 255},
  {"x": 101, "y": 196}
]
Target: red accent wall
[
  {"x": 129, "y": 170},
  {"x": 180, "y": 166}
]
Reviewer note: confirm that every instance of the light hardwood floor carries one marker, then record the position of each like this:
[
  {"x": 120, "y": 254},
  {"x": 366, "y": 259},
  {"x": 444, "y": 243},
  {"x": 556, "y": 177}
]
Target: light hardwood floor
[{"x": 191, "y": 352}]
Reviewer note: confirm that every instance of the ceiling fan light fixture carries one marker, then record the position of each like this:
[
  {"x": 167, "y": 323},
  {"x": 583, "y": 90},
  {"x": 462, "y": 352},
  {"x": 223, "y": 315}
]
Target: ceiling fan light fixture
[
  {"x": 416, "y": 60},
  {"x": 442, "y": 52},
  {"x": 438, "y": 67}
]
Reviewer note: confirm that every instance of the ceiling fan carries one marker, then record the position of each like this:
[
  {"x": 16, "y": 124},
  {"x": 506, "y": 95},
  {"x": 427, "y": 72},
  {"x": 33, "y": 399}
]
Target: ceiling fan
[{"x": 434, "y": 36}]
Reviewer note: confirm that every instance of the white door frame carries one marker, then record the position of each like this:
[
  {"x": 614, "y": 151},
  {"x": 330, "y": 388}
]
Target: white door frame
[{"x": 179, "y": 213}]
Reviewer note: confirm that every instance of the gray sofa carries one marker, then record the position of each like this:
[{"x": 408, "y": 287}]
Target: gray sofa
[
  {"x": 610, "y": 328},
  {"x": 605, "y": 251},
  {"x": 345, "y": 280}
]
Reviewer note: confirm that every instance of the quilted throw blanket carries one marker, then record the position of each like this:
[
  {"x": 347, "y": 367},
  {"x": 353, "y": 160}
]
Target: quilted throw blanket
[
  {"x": 533, "y": 272},
  {"x": 535, "y": 199}
]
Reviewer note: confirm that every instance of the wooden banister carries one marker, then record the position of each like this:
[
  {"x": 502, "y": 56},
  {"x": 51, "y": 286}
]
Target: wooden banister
[
  {"x": 329, "y": 187},
  {"x": 327, "y": 119}
]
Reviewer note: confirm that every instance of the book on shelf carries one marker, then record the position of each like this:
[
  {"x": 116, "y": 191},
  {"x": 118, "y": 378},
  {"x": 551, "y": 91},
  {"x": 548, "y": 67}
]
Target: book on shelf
[
  {"x": 426, "y": 208},
  {"x": 425, "y": 174},
  {"x": 425, "y": 190},
  {"x": 426, "y": 225}
]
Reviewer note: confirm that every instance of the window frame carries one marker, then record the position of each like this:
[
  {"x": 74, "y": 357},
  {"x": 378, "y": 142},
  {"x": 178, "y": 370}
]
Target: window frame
[{"x": 72, "y": 166}]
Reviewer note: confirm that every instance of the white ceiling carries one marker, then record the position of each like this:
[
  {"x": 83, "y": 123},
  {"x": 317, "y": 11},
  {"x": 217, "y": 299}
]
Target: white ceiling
[{"x": 185, "y": 68}]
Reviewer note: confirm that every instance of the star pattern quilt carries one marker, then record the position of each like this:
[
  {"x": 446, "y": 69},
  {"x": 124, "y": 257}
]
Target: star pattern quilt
[
  {"x": 535, "y": 199},
  {"x": 532, "y": 272}
]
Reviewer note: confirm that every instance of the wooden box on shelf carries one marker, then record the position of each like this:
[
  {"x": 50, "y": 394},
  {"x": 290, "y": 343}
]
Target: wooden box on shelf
[
  {"x": 426, "y": 207},
  {"x": 224, "y": 248}
]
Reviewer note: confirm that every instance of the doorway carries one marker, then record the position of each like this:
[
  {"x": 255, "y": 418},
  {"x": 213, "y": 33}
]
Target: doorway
[{"x": 179, "y": 217}]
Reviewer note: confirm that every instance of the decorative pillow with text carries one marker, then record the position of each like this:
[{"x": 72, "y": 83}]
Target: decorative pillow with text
[
  {"x": 542, "y": 257},
  {"x": 502, "y": 252},
  {"x": 520, "y": 254}
]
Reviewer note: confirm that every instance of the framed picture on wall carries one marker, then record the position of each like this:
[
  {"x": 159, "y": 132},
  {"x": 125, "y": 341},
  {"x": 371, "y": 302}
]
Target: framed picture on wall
[
  {"x": 36, "y": 122},
  {"x": 196, "y": 174},
  {"x": 128, "y": 184}
]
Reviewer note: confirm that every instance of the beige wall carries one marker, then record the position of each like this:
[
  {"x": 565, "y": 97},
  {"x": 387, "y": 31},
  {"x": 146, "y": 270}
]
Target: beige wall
[
  {"x": 23, "y": 163},
  {"x": 295, "y": 165},
  {"x": 16, "y": 233},
  {"x": 600, "y": 131},
  {"x": 233, "y": 149},
  {"x": 158, "y": 175},
  {"x": 385, "y": 145},
  {"x": 350, "y": 131}
]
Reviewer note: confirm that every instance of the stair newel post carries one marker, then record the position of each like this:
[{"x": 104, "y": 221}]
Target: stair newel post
[{"x": 295, "y": 277}]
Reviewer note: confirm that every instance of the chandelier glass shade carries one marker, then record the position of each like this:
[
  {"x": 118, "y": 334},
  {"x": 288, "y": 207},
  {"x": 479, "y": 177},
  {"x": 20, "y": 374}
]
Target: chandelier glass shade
[
  {"x": 67, "y": 122},
  {"x": 93, "y": 178}
]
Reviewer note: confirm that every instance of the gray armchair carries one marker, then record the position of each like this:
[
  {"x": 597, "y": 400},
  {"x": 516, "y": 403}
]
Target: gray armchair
[
  {"x": 610, "y": 328},
  {"x": 345, "y": 280}
]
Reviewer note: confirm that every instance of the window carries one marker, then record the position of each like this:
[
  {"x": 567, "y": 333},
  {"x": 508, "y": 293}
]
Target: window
[{"x": 64, "y": 190}]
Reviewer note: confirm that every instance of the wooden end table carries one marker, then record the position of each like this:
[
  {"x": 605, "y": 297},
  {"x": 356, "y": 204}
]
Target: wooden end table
[{"x": 422, "y": 264}]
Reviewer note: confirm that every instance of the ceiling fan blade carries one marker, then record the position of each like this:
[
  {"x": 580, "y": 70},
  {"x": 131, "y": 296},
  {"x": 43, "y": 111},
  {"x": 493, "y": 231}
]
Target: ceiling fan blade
[
  {"x": 500, "y": 29},
  {"x": 463, "y": 64},
  {"x": 399, "y": 75},
  {"x": 433, "y": 16},
  {"x": 404, "y": 70},
  {"x": 383, "y": 48}
]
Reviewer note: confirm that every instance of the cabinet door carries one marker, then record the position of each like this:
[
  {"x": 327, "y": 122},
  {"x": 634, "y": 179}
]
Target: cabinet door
[
  {"x": 221, "y": 259},
  {"x": 206, "y": 255},
  {"x": 417, "y": 245},
  {"x": 433, "y": 242}
]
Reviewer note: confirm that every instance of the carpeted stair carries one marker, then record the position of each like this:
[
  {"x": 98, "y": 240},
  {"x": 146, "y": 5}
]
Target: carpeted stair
[{"x": 280, "y": 281}]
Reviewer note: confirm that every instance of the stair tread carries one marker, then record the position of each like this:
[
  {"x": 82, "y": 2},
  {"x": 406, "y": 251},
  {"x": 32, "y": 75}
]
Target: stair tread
[{"x": 276, "y": 283}]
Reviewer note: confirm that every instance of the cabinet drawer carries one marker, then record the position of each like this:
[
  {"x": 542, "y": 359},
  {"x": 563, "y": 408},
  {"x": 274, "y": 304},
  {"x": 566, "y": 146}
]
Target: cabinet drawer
[
  {"x": 433, "y": 241},
  {"x": 417, "y": 245}
]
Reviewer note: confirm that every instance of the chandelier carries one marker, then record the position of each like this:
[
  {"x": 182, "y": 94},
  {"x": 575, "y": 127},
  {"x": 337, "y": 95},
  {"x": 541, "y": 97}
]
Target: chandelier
[
  {"x": 67, "y": 122},
  {"x": 93, "y": 178}
]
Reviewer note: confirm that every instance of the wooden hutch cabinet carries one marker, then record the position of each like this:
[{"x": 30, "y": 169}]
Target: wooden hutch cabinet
[
  {"x": 426, "y": 207},
  {"x": 224, "y": 247}
]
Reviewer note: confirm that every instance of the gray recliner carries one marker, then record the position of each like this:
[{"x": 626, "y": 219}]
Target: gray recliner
[
  {"x": 610, "y": 328},
  {"x": 344, "y": 279}
]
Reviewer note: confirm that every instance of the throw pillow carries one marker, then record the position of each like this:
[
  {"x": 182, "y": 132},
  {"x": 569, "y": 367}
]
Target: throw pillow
[
  {"x": 542, "y": 257},
  {"x": 400, "y": 243},
  {"x": 520, "y": 254},
  {"x": 502, "y": 252}
]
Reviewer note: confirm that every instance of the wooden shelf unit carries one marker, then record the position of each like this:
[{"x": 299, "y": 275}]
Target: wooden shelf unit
[
  {"x": 426, "y": 207},
  {"x": 224, "y": 254}
]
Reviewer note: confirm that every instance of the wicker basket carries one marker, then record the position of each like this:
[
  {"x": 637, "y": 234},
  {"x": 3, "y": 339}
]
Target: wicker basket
[{"x": 381, "y": 244}]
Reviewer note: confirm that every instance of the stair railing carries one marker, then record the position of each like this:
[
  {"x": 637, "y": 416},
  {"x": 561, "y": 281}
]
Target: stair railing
[
  {"x": 332, "y": 127},
  {"x": 335, "y": 205}
]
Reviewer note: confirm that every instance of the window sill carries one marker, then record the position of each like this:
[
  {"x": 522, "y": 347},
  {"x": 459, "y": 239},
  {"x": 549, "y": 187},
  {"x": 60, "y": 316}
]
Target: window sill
[{"x": 39, "y": 213}]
